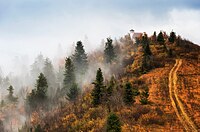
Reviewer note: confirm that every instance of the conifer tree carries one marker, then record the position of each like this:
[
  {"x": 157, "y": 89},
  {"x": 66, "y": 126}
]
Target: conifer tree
[
  {"x": 41, "y": 87},
  {"x": 73, "y": 92},
  {"x": 80, "y": 59},
  {"x": 160, "y": 38},
  {"x": 128, "y": 94},
  {"x": 172, "y": 37},
  {"x": 98, "y": 90},
  {"x": 109, "y": 52},
  {"x": 39, "y": 94},
  {"x": 69, "y": 75},
  {"x": 50, "y": 76},
  {"x": 10, "y": 95},
  {"x": 154, "y": 37},
  {"x": 111, "y": 86},
  {"x": 145, "y": 45},
  {"x": 113, "y": 123}
]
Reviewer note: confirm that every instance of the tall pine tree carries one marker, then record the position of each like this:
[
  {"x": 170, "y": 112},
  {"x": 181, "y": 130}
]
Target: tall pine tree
[
  {"x": 69, "y": 75},
  {"x": 50, "y": 76},
  {"x": 128, "y": 94},
  {"x": 80, "y": 59},
  {"x": 145, "y": 45},
  {"x": 10, "y": 95},
  {"x": 109, "y": 52},
  {"x": 38, "y": 96},
  {"x": 160, "y": 38},
  {"x": 73, "y": 93},
  {"x": 172, "y": 37},
  {"x": 98, "y": 91},
  {"x": 41, "y": 87}
]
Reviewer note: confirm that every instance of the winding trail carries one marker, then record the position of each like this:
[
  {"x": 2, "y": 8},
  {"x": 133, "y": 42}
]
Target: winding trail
[{"x": 176, "y": 103}]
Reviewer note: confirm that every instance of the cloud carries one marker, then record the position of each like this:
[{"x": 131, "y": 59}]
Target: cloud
[{"x": 34, "y": 26}]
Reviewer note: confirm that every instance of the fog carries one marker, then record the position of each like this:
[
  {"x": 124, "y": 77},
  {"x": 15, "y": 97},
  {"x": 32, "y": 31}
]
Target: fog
[{"x": 51, "y": 29}]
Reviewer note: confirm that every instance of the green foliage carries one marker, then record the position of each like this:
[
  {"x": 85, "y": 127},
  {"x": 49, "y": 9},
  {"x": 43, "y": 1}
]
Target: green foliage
[
  {"x": 128, "y": 94},
  {"x": 10, "y": 95},
  {"x": 41, "y": 87},
  {"x": 154, "y": 37},
  {"x": 73, "y": 92},
  {"x": 80, "y": 59},
  {"x": 98, "y": 91},
  {"x": 38, "y": 129},
  {"x": 38, "y": 95},
  {"x": 69, "y": 75},
  {"x": 109, "y": 52},
  {"x": 135, "y": 92},
  {"x": 113, "y": 123},
  {"x": 144, "y": 97},
  {"x": 160, "y": 38},
  {"x": 111, "y": 86},
  {"x": 50, "y": 76},
  {"x": 172, "y": 37},
  {"x": 145, "y": 45}
]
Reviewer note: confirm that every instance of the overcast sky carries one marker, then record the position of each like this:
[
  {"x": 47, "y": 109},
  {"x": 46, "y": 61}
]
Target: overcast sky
[{"x": 28, "y": 27}]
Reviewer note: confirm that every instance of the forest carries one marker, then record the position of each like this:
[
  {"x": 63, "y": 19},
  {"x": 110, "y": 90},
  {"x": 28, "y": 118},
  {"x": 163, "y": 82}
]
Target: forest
[{"x": 122, "y": 86}]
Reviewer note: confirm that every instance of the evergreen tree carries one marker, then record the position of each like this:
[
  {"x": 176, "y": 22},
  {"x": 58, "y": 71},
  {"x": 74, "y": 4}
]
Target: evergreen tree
[
  {"x": 98, "y": 90},
  {"x": 73, "y": 92},
  {"x": 50, "y": 76},
  {"x": 109, "y": 52},
  {"x": 128, "y": 94},
  {"x": 172, "y": 37},
  {"x": 154, "y": 37},
  {"x": 10, "y": 95},
  {"x": 160, "y": 38},
  {"x": 39, "y": 94},
  {"x": 113, "y": 123},
  {"x": 41, "y": 87},
  {"x": 145, "y": 45},
  {"x": 111, "y": 86},
  {"x": 80, "y": 59},
  {"x": 69, "y": 75},
  {"x": 37, "y": 66},
  {"x": 10, "y": 89}
]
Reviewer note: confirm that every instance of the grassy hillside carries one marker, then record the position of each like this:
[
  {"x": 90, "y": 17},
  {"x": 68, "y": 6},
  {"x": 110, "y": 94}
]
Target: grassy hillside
[{"x": 157, "y": 115}]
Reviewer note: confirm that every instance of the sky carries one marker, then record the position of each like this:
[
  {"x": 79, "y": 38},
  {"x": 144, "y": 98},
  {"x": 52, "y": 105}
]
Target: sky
[{"x": 30, "y": 27}]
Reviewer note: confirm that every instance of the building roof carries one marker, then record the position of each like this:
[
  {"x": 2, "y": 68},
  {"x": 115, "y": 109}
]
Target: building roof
[{"x": 136, "y": 35}]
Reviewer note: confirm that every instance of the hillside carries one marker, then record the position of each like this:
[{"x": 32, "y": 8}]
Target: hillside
[{"x": 158, "y": 73}]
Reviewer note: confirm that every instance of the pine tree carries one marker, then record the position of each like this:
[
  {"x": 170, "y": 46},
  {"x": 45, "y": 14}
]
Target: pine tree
[
  {"x": 73, "y": 92},
  {"x": 69, "y": 75},
  {"x": 154, "y": 37},
  {"x": 111, "y": 86},
  {"x": 113, "y": 123},
  {"x": 80, "y": 59},
  {"x": 172, "y": 37},
  {"x": 41, "y": 87},
  {"x": 10, "y": 95},
  {"x": 37, "y": 66},
  {"x": 128, "y": 94},
  {"x": 50, "y": 76},
  {"x": 145, "y": 45},
  {"x": 109, "y": 52},
  {"x": 38, "y": 96},
  {"x": 10, "y": 89},
  {"x": 160, "y": 38},
  {"x": 98, "y": 90}
]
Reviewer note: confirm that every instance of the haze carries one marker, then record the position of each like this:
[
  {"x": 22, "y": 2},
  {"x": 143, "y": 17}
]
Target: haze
[{"x": 30, "y": 27}]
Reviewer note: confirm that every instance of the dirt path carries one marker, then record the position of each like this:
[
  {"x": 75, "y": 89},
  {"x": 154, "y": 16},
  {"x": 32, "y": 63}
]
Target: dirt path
[{"x": 176, "y": 103}]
